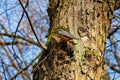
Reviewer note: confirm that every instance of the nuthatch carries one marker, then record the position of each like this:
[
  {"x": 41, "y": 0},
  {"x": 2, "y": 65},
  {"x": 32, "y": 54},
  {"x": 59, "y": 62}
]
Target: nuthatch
[{"x": 63, "y": 35}]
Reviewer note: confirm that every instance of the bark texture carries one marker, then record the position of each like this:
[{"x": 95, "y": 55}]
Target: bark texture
[{"x": 81, "y": 59}]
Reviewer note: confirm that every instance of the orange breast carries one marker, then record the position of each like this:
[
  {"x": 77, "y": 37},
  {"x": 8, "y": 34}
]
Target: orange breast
[{"x": 64, "y": 38}]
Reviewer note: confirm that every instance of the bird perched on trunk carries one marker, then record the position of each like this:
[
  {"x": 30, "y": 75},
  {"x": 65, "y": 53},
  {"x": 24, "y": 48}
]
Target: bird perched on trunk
[{"x": 62, "y": 35}]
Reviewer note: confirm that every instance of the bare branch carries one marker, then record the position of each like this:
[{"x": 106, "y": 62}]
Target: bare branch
[
  {"x": 10, "y": 57},
  {"x": 13, "y": 43},
  {"x": 113, "y": 67},
  {"x": 19, "y": 72},
  {"x": 113, "y": 30},
  {"x": 43, "y": 46},
  {"x": 20, "y": 37},
  {"x": 5, "y": 30}
]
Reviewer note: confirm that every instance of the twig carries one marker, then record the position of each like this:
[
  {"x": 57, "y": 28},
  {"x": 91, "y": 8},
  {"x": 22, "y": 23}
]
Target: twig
[
  {"x": 14, "y": 53},
  {"x": 43, "y": 46},
  {"x": 13, "y": 43},
  {"x": 20, "y": 37},
  {"x": 25, "y": 67},
  {"x": 40, "y": 63},
  {"x": 112, "y": 43}
]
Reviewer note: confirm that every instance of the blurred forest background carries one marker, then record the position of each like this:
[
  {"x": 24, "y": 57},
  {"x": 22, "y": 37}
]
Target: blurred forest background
[
  {"x": 23, "y": 33},
  {"x": 19, "y": 48}
]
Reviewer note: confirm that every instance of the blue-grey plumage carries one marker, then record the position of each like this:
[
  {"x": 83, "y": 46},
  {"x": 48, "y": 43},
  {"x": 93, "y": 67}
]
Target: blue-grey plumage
[{"x": 65, "y": 33}]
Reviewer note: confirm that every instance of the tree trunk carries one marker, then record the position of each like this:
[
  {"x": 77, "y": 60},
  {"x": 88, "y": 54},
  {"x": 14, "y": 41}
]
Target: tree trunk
[{"x": 82, "y": 58}]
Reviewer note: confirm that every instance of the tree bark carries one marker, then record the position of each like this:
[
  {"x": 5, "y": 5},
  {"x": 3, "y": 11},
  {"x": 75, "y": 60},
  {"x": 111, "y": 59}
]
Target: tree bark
[{"x": 81, "y": 59}]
